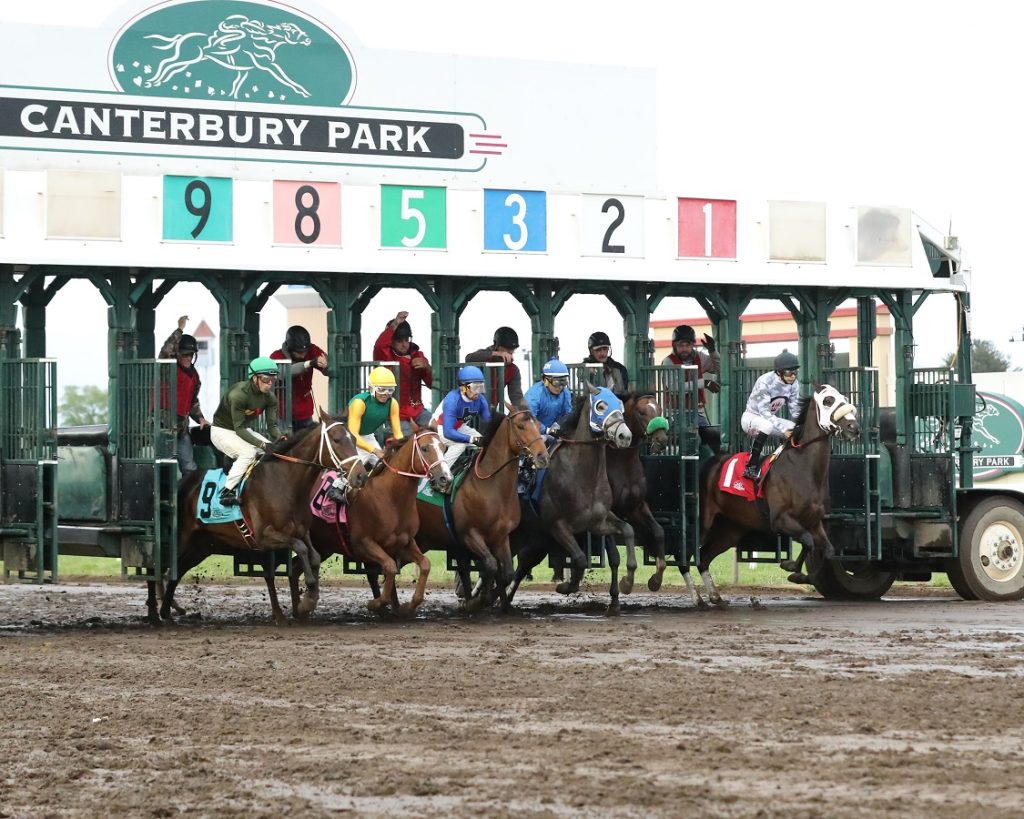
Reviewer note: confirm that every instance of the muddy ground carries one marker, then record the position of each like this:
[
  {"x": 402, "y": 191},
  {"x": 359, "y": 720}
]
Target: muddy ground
[{"x": 789, "y": 706}]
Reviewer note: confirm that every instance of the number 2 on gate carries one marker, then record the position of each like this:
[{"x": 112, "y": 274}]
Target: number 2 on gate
[
  {"x": 197, "y": 209},
  {"x": 307, "y": 213}
]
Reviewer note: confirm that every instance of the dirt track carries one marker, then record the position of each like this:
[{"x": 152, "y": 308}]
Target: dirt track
[{"x": 789, "y": 707}]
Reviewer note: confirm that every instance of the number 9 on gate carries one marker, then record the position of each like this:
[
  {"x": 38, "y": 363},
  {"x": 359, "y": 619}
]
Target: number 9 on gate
[{"x": 197, "y": 209}]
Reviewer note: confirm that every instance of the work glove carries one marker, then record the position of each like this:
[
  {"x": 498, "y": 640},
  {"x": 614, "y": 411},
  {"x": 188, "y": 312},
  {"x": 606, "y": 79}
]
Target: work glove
[
  {"x": 554, "y": 429},
  {"x": 709, "y": 343}
]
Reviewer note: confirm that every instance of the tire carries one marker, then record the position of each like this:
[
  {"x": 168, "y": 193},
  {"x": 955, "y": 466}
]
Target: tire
[
  {"x": 991, "y": 561},
  {"x": 853, "y": 580}
]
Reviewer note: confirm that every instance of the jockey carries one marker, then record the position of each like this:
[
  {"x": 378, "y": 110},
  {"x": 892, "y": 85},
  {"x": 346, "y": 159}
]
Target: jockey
[
  {"x": 771, "y": 391},
  {"x": 616, "y": 376},
  {"x": 239, "y": 409},
  {"x": 304, "y": 357},
  {"x": 185, "y": 348},
  {"x": 463, "y": 406},
  {"x": 371, "y": 409},
  {"x": 549, "y": 399},
  {"x": 685, "y": 354}
]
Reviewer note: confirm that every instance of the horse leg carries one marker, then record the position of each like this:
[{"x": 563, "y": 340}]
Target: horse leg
[
  {"x": 475, "y": 542},
  {"x": 416, "y": 556},
  {"x": 506, "y": 572},
  {"x": 151, "y": 608},
  {"x": 643, "y": 520},
  {"x": 794, "y": 565},
  {"x": 626, "y": 584},
  {"x": 611, "y": 549},
  {"x": 565, "y": 537},
  {"x": 613, "y": 525},
  {"x": 310, "y": 560},
  {"x": 529, "y": 556},
  {"x": 695, "y": 597},
  {"x": 374, "y": 553}
]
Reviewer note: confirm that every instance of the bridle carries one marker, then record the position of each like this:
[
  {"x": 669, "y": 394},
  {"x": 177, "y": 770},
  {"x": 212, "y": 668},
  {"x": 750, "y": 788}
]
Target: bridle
[
  {"x": 417, "y": 456},
  {"x": 828, "y": 415},
  {"x": 344, "y": 475},
  {"x": 522, "y": 446}
]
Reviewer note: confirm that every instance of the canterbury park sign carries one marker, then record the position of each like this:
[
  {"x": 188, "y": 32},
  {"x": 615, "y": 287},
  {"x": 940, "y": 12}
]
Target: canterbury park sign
[{"x": 238, "y": 80}]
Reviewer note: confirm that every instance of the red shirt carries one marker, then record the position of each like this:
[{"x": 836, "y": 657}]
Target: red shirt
[
  {"x": 410, "y": 379},
  {"x": 700, "y": 373},
  {"x": 302, "y": 384}
]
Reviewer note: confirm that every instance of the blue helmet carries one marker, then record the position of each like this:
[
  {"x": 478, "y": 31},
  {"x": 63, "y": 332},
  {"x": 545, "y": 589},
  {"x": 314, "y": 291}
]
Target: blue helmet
[
  {"x": 555, "y": 369},
  {"x": 470, "y": 373}
]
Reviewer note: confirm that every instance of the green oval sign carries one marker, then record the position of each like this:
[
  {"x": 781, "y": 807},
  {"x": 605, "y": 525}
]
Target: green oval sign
[{"x": 232, "y": 50}]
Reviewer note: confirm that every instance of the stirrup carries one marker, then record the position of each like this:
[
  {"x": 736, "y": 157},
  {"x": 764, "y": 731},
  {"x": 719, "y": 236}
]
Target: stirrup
[
  {"x": 228, "y": 497},
  {"x": 753, "y": 473}
]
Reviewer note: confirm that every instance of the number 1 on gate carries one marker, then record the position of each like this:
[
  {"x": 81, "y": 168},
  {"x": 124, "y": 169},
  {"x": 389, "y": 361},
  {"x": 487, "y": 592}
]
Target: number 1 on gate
[{"x": 707, "y": 228}]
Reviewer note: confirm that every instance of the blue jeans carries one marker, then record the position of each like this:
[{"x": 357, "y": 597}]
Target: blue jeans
[{"x": 186, "y": 454}]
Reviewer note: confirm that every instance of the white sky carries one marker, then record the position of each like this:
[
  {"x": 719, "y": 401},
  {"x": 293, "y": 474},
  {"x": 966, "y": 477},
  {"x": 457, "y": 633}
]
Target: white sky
[{"x": 905, "y": 103}]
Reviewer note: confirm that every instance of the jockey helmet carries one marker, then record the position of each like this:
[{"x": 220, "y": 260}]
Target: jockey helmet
[
  {"x": 555, "y": 369},
  {"x": 296, "y": 340},
  {"x": 382, "y": 377},
  {"x": 506, "y": 337},
  {"x": 262, "y": 366},
  {"x": 469, "y": 373},
  {"x": 402, "y": 332},
  {"x": 598, "y": 339},
  {"x": 187, "y": 344},
  {"x": 786, "y": 361},
  {"x": 684, "y": 332}
]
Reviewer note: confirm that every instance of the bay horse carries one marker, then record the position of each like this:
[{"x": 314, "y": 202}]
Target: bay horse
[
  {"x": 629, "y": 483},
  {"x": 274, "y": 507},
  {"x": 795, "y": 489},
  {"x": 383, "y": 519},
  {"x": 486, "y": 506},
  {"x": 576, "y": 496}
]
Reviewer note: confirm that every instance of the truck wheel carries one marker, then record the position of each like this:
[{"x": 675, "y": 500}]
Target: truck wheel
[
  {"x": 852, "y": 580},
  {"x": 991, "y": 561}
]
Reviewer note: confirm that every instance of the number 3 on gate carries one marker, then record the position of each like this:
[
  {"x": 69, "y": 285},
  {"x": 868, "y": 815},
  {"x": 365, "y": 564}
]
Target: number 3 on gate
[
  {"x": 197, "y": 209},
  {"x": 516, "y": 221},
  {"x": 413, "y": 218}
]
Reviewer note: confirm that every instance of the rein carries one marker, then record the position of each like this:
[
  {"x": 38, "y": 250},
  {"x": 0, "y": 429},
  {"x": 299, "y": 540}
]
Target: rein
[
  {"x": 325, "y": 440},
  {"x": 523, "y": 446},
  {"x": 416, "y": 454}
]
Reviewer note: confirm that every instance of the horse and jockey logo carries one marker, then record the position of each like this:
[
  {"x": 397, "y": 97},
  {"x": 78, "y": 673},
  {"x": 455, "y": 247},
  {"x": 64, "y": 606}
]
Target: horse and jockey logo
[
  {"x": 998, "y": 431},
  {"x": 226, "y": 49}
]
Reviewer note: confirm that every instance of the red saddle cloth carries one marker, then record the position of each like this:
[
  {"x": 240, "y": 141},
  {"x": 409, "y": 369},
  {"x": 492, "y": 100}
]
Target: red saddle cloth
[{"x": 731, "y": 479}]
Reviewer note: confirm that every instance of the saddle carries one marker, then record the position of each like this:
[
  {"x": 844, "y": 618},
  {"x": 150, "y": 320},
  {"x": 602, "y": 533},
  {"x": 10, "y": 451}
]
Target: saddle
[{"x": 731, "y": 479}]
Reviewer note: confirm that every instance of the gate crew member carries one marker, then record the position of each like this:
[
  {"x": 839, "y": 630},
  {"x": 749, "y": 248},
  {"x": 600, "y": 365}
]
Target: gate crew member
[
  {"x": 506, "y": 340},
  {"x": 616, "y": 376},
  {"x": 239, "y": 410},
  {"x": 371, "y": 409},
  {"x": 396, "y": 344},
  {"x": 549, "y": 399},
  {"x": 305, "y": 357},
  {"x": 462, "y": 410},
  {"x": 684, "y": 353},
  {"x": 771, "y": 392},
  {"x": 184, "y": 347}
]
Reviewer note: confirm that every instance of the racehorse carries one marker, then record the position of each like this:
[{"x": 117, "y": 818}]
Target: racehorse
[
  {"x": 486, "y": 506},
  {"x": 239, "y": 44},
  {"x": 795, "y": 489},
  {"x": 275, "y": 509},
  {"x": 629, "y": 483},
  {"x": 575, "y": 495},
  {"x": 383, "y": 519}
]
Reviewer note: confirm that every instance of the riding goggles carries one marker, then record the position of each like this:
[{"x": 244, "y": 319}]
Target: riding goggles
[
  {"x": 557, "y": 381},
  {"x": 384, "y": 390},
  {"x": 266, "y": 379},
  {"x": 476, "y": 386},
  {"x": 790, "y": 372}
]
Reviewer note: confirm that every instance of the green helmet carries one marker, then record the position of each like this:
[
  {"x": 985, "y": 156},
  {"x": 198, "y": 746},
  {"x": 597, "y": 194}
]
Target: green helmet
[{"x": 262, "y": 366}]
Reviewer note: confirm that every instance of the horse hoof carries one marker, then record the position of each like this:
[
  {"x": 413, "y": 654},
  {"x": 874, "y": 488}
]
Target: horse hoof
[
  {"x": 564, "y": 588},
  {"x": 799, "y": 579},
  {"x": 789, "y": 565},
  {"x": 701, "y": 605},
  {"x": 613, "y": 610},
  {"x": 407, "y": 609},
  {"x": 720, "y": 602},
  {"x": 376, "y": 604},
  {"x": 307, "y": 605},
  {"x": 654, "y": 582},
  {"x": 626, "y": 585}
]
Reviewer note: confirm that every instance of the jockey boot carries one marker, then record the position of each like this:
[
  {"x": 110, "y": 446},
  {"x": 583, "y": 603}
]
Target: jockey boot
[
  {"x": 228, "y": 497},
  {"x": 753, "y": 470}
]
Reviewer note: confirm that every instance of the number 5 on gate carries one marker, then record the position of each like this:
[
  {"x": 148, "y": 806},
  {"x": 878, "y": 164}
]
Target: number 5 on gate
[
  {"x": 197, "y": 209},
  {"x": 414, "y": 218}
]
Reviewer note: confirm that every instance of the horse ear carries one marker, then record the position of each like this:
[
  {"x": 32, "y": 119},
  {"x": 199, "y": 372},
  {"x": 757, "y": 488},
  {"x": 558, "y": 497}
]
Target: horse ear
[
  {"x": 593, "y": 390},
  {"x": 321, "y": 414},
  {"x": 414, "y": 426}
]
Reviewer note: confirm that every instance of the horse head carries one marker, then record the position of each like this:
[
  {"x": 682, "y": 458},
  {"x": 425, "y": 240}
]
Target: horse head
[
  {"x": 645, "y": 419},
  {"x": 421, "y": 455},
  {"x": 336, "y": 449},
  {"x": 606, "y": 417},
  {"x": 836, "y": 415},
  {"x": 525, "y": 437}
]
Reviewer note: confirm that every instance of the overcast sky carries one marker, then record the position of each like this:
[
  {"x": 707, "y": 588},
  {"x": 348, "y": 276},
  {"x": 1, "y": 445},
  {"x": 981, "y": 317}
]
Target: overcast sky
[{"x": 908, "y": 104}]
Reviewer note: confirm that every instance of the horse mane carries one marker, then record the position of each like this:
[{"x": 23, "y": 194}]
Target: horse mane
[
  {"x": 492, "y": 429},
  {"x": 635, "y": 395},
  {"x": 805, "y": 406},
  {"x": 298, "y": 436},
  {"x": 577, "y": 407}
]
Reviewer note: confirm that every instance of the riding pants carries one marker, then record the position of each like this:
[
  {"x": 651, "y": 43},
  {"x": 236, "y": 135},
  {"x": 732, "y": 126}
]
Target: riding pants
[
  {"x": 364, "y": 455},
  {"x": 753, "y": 424},
  {"x": 233, "y": 446}
]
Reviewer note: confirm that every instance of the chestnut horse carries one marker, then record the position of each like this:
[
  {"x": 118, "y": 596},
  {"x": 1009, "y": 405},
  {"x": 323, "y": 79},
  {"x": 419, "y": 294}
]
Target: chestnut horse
[
  {"x": 486, "y": 506},
  {"x": 796, "y": 489},
  {"x": 275, "y": 509},
  {"x": 383, "y": 519}
]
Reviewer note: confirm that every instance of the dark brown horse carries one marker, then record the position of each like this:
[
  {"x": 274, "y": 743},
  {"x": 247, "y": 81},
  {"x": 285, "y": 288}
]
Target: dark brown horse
[
  {"x": 796, "y": 490},
  {"x": 629, "y": 483},
  {"x": 275, "y": 510},
  {"x": 383, "y": 519},
  {"x": 486, "y": 505}
]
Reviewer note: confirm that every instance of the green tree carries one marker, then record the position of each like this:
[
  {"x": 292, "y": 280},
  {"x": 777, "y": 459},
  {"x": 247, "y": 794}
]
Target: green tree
[
  {"x": 83, "y": 405},
  {"x": 985, "y": 357}
]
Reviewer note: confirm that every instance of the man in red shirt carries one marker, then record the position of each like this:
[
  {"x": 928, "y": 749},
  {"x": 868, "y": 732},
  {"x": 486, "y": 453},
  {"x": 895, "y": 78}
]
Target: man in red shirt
[
  {"x": 395, "y": 344},
  {"x": 305, "y": 357},
  {"x": 184, "y": 348}
]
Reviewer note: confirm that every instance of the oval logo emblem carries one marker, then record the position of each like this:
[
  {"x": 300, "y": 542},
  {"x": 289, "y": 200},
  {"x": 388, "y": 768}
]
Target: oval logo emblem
[{"x": 232, "y": 50}]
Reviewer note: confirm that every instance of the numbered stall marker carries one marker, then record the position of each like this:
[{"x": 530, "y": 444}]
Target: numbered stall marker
[
  {"x": 707, "y": 228},
  {"x": 197, "y": 209},
  {"x": 516, "y": 221},
  {"x": 83, "y": 205},
  {"x": 307, "y": 213},
  {"x": 613, "y": 225},
  {"x": 413, "y": 217},
  {"x": 796, "y": 231}
]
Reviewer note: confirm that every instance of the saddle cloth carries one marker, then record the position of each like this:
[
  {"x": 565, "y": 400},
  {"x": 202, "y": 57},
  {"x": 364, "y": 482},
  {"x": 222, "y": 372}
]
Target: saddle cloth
[
  {"x": 731, "y": 479},
  {"x": 426, "y": 493},
  {"x": 208, "y": 505},
  {"x": 324, "y": 507}
]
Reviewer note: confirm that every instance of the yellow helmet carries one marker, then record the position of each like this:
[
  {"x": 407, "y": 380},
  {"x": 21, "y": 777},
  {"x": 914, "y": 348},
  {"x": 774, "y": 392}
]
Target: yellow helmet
[{"x": 382, "y": 377}]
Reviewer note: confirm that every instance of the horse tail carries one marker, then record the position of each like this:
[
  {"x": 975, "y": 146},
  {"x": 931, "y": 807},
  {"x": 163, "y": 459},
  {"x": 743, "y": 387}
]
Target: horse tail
[{"x": 170, "y": 42}]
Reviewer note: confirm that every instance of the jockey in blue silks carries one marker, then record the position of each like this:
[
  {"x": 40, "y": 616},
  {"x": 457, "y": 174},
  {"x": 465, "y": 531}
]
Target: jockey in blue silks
[
  {"x": 462, "y": 410},
  {"x": 549, "y": 399}
]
